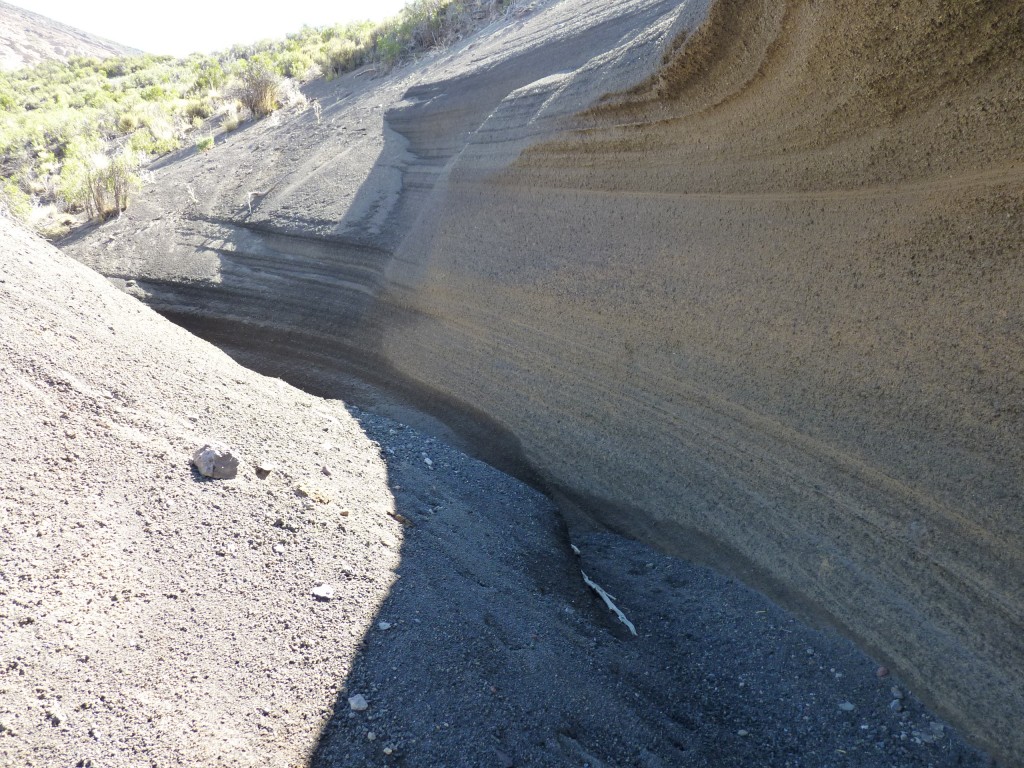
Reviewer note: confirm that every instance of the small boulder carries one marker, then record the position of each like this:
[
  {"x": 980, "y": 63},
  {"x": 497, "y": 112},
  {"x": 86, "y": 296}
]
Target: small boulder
[{"x": 216, "y": 461}]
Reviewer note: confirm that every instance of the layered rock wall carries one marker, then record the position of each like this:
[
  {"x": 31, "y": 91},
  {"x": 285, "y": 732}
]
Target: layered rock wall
[{"x": 744, "y": 283}]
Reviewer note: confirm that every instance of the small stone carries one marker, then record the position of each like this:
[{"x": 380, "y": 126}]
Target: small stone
[
  {"x": 882, "y": 672},
  {"x": 388, "y": 751},
  {"x": 385, "y": 625},
  {"x": 71, "y": 434},
  {"x": 323, "y": 592},
  {"x": 313, "y": 494},
  {"x": 742, "y": 733},
  {"x": 896, "y": 692},
  {"x": 216, "y": 461},
  {"x": 358, "y": 703},
  {"x": 371, "y": 736},
  {"x": 325, "y": 471},
  {"x": 279, "y": 549},
  {"x": 264, "y": 468},
  {"x": 428, "y": 462},
  {"x": 847, "y": 706},
  {"x": 896, "y": 705}
]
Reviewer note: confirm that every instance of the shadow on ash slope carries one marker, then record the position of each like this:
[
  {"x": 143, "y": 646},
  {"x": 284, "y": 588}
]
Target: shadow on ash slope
[{"x": 152, "y": 617}]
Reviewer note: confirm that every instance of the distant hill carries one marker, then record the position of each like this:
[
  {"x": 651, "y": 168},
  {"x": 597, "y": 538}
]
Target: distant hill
[{"x": 27, "y": 38}]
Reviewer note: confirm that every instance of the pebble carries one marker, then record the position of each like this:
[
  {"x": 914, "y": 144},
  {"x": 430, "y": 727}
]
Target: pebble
[
  {"x": 896, "y": 692},
  {"x": 882, "y": 672},
  {"x": 325, "y": 471},
  {"x": 742, "y": 733},
  {"x": 323, "y": 592},
  {"x": 264, "y": 468},
  {"x": 847, "y": 706},
  {"x": 896, "y": 705},
  {"x": 279, "y": 549},
  {"x": 385, "y": 625},
  {"x": 371, "y": 736},
  {"x": 358, "y": 703},
  {"x": 388, "y": 751}
]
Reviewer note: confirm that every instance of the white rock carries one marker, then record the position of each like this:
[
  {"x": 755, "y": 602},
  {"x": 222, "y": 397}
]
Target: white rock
[
  {"x": 385, "y": 625},
  {"x": 358, "y": 703},
  {"x": 216, "y": 461},
  {"x": 847, "y": 706},
  {"x": 323, "y": 592},
  {"x": 264, "y": 468}
]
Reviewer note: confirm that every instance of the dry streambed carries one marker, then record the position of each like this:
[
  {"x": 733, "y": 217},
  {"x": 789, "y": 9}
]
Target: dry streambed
[{"x": 151, "y": 616}]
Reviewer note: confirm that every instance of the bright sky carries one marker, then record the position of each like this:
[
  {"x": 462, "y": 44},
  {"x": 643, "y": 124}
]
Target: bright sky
[{"x": 180, "y": 27}]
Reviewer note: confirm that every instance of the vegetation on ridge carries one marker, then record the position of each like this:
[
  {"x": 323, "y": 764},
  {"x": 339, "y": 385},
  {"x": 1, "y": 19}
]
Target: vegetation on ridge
[{"x": 74, "y": 136}]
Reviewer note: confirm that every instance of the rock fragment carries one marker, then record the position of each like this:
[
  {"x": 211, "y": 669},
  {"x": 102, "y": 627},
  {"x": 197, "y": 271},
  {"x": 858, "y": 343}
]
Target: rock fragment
[
  {"x": 216, "y": 461},
  {"x": 264, "y": 468},
  {"x": 323, "y": 592},
  {"x": 358, "y": 703},
  {"x": 314, "y": 494}
]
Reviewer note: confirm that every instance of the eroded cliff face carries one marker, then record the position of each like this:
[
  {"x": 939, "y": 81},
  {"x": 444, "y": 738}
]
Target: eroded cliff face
[{"x": 743, "y": 283}]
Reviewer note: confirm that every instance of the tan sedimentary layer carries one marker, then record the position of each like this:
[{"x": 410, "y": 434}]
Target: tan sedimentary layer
[{"x": 764, "y": 309}]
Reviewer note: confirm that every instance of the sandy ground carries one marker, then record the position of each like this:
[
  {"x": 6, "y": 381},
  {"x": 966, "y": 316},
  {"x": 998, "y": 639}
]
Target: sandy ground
[{"x": 155, "y": 617}]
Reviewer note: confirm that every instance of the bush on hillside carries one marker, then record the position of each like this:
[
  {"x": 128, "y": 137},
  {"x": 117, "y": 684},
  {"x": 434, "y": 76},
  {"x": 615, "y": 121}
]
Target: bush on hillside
[
  {"x": 259, "y": 86},
  {"x": 97, "y": 183}
]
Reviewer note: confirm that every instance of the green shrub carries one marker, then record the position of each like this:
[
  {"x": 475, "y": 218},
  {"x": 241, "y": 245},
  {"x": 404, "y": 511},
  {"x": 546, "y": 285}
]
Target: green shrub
[
  {"x": 259, "y": 86},
  {"x": 232, "y": 117},
  {"x": 201, "y": 108},
  {"x": 96, "y": 182},
  {"x": 14, "y": 203},
  {"x": 145, "y": 142},
  {"x": 154, "y": 93},
  {"x": 295, "y": 64},
  {"x": 205, "y": 143},
  {"x": 340, "y": 55}
]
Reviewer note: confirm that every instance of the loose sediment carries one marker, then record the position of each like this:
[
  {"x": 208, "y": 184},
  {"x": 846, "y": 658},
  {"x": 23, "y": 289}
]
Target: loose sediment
[{"x": 740, "y": 283}]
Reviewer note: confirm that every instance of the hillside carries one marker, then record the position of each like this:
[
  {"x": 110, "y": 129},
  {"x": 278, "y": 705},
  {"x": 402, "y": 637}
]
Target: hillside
[
  {"x": 27, "y": 38},
  {"x": 739, "y": 282}
]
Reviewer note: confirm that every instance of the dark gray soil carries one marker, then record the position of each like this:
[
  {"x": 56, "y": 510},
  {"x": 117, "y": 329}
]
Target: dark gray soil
[{"x": 498, "y": 654}]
